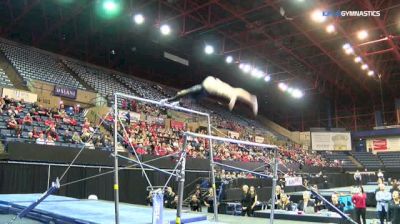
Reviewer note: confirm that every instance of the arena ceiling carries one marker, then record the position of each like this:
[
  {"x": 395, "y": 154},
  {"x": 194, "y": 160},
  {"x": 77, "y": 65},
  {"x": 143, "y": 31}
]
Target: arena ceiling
[{"x": 276, "y": 35}]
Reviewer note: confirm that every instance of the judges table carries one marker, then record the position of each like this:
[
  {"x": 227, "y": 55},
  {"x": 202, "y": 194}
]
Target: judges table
[{"x": 324, "y": 217}]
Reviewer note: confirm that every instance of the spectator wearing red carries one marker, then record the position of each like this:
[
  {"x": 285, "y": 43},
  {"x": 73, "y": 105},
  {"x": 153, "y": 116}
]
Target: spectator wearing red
[
  {"x": 124, "y": 104},
  {"x": 27, "y": 119},
  {"x": 12, "y": 123},
  {"x": 52, "y": 132},
  {"x": 359, "y": 200}
]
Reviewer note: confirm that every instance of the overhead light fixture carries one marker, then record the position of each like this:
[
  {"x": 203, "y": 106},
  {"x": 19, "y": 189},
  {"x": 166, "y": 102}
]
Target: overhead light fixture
[
  {"x": 330, "y": 28},
  {"x": 208, "y": 49},
  {"x": 317, "y": 16},
  {"x": 349, "y": 50},
  {"x": 282, "y": 86},
  {"x": 138, "y": 19},
  {"x": 362, "y": 34},
  {"x": 370, "y": 73},
  {"x": 346, "y": 46},
  {"x": 229, "y": 59},
  {"x": 241, "y": 66},
  {"x": 364, "y": 66},
  {"x": 296, "y": 93},
  {"x": 165, "y": 29},
  {"x": 246, "y": 68},
  {"x": 267, "y": 78},
  {"x": 357, "y": 59}
]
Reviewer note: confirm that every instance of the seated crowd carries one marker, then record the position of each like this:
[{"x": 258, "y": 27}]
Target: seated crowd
[{"x": 35, "y": 123}]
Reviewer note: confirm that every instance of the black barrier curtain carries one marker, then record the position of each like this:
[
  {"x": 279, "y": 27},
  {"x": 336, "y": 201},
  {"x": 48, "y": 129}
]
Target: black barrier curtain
[{"x": 23, "y": 178}]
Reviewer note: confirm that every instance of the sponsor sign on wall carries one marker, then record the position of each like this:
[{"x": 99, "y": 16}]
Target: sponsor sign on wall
[
  {"x": 19, "y": 94},
  {"x": 293, "y": 181},
  {"x": 384, "y": 144},
  {"x": 331, "y": 141},
  {"x": 65, "y": 92}
]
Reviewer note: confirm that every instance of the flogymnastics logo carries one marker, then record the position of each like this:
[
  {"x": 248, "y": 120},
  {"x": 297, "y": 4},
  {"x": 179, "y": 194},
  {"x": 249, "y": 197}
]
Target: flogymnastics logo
[{"x": 340, "y": 13}]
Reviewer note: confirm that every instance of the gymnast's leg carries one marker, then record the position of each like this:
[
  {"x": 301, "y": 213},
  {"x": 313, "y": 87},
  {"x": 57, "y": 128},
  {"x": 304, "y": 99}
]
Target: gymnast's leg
[{"x": 197, "y": 89}]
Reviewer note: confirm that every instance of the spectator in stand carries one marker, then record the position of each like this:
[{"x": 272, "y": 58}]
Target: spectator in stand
[
  {"x": 306, "y": 204},
  {"x": 382, "y": 202},
  {"x": 395, "y": 185},
  {"x": 195, "y": 203},
  {"x": 209, "y": 200},
  {"x": 12, "y": 123},
  {"x": 169, "y": 197},
  {"x": 85, "y": 135},
  {"x": 30, "y": 139},
  {"x": 76, "y": 138},
  {"x": 336, "y": 203},
  {"x": 284, "y": 203},
  {"x": 52, "y": 132},
  {"x": 359, "y": 200},
  {"x": 41, "y": 140},
  {"x": 246, "y": 201},
  {"x": 67, "y": 136},
  {"x": 50, "y": 140},
  {"x": 394, "y": 208},
  {"x": 27, "y": 119}
]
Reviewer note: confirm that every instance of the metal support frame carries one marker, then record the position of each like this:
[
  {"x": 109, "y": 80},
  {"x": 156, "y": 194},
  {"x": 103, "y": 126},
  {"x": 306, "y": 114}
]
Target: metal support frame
[
  {"x": 265, "y": 146},
  {"x": 116, "y": 179},
  {"x": 170, "y": 106}
]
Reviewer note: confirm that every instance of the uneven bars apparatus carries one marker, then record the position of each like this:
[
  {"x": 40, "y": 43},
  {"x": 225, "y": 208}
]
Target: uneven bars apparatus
[
  {"x": 162, "y": 104},
  {"x": 275, "y": 176}
]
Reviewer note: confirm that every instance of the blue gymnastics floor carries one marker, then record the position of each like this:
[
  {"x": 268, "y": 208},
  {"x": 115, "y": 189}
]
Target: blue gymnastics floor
[{"x": 91, "y": 211}]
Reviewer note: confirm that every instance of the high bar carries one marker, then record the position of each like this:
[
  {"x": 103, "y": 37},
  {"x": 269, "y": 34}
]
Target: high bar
[
  {"x": 163, "y": 104},
  {"x": 229, "y": 140}
]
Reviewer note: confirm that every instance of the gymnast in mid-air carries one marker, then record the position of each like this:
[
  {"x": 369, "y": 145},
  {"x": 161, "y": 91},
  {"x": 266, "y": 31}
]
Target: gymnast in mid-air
[{"x": 214, "y": 87}]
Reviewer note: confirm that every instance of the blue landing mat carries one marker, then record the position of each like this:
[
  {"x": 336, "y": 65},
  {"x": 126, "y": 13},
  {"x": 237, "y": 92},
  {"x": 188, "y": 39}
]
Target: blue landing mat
[{"x": 90, "y": 211}]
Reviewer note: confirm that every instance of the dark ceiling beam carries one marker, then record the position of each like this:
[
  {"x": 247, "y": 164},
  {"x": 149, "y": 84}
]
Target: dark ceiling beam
[
  {"x": 315, "y": 42},
  {"x": 76, "y": 12},
  {"x": 213, "y": 24},
  {"x": 227, "y": 36},
  {"x": 318, "y": 72},
  {"x": 25, "y": 11},
  {"x": 368, "y": 5}
]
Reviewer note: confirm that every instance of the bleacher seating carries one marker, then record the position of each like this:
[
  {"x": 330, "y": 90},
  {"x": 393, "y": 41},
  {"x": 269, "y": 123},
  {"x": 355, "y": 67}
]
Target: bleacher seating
[
  {"x": 341, "y": 157},
  {"x": 368, "y": 160},
  {"x": 4, "y": 80},
  {"x": 102, "y": 82},
  {"x": 390, "y": 159},
  {"x": 34, "y": 65},
  {"x": 142, "y": 88}
]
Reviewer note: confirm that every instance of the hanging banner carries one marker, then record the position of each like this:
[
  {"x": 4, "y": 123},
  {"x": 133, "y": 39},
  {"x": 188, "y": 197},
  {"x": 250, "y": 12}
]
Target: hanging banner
[
  {"x": 233, "y": 134},
  {"x": 65, "y": 92},
  {"x": 384, "y": 144},
  {"x": 177, "y": 124},
  {"x": 293, "y": 181},
  {"x": 331, "y": 141},
  {"x": 259, "y": 139}
]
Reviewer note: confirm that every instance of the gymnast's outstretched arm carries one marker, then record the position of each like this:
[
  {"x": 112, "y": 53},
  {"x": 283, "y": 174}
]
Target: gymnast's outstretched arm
[{"x": 192, "y": 90}]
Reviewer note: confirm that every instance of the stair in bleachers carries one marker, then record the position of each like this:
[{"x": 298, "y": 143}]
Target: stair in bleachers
[
  {"x": 10, "y": 75},
  {"x": 368, "y": 160},
  {"x": 76, "y": 76}
]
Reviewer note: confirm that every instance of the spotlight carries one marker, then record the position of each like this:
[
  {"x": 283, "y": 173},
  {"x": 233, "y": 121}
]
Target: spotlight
[
  {"x": 346, "y": 46},
  {"x": 370, "y": 73},
  {"x": 229, "y": 59},
  {"x": 362, "y": 34},
  {"x": 254, "y": 72},
  {"x": 330, "y": 28},
  {"x": 297, "y": 94},
  {"x": 364, "y": 66},
  {"x": 290, "y": 90},
  {"x": 349, "y": 50},
  {"x": 317, "y": 16},
  {"x": 357, "y": 59},
  {"x": 138, "y": 18},
  {"x": 208, "y": 49},
  {"x": 110, "y": 5},
  {"x": 246, "y": 68},
  {"x": 241, "y": 66},
  {"x": 282, "y": 86},
  {"x": 165, "y": 29},
  {"x": 267, "y": 78}
]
